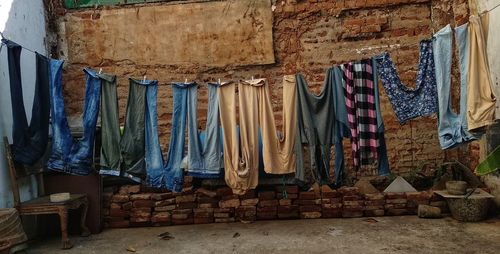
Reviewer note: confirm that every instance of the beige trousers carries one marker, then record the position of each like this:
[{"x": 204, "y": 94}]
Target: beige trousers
[
  {"x": 480, "y": 98},
  {"x": 241, "y": 157}
]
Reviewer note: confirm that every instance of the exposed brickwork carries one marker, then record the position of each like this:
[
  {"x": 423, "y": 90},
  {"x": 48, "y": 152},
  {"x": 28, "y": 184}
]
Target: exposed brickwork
[
  {"x": 309, "y": 37},
  {"x": 346, "y": 202}
]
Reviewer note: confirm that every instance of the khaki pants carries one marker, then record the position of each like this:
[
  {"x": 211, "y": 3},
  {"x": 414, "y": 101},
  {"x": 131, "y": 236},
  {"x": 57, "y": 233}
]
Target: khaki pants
[
  {"x": 480, "y": 98},
  {"x": 255, "y": 110}
]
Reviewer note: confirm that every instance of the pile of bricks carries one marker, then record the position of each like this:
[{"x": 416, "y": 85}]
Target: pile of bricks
[{"x": 129, "y": 207}]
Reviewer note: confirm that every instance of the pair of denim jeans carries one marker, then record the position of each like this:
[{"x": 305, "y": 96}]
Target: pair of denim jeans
[
  {"x": 69, "y": 155},
  {"x": 205, "y": 151},
  {"x": 341, "y": 127},
  {"x": 130, "y": 155},
  {"x": 29, "y": 141},
  {"x": 452, "y": 127}
]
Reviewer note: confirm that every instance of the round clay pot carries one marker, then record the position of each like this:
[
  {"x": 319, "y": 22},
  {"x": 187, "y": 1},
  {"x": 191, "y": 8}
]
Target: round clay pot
[{"x": 456, "y": 187}]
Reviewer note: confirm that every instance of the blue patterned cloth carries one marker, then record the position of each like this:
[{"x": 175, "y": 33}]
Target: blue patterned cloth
[{"x": 411, "y": 103}]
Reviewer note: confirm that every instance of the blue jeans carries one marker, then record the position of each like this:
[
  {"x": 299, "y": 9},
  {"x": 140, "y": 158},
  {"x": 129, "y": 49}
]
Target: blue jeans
[
  {"x": 68, "y": 155},
  {"x": 452, "y": 127},
  {"x": 174, "y": 175},
  {"x": 205, "y": 150},
  {"x": 29, "y": 141},
  {"x": 154, "y": 157},
  {"x": 342, "y": 130}
]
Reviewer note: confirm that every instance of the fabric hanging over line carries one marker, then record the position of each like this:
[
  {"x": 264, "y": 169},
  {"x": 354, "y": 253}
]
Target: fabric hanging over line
[
  {"x": 315, "y": 119},
  {"x": 67, "y": 155},
  {"x": 480, "y": 98},
  {"x": 124, "y": 155},
  {"x": 205, "y": 149},
  {"x": 255, "y": 109},
  {"x": 452, "y": 127},
  {"x": 411, "y": 103},
  {"x": 173, "y": 175},
  {"x": 341, "y": 124},
  {"x": 361, "y": 114},
  {"x": 29, "y": 141}
]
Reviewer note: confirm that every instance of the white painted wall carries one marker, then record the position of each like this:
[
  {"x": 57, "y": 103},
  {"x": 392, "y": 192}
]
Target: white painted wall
[{"x": 22, "y": 21}]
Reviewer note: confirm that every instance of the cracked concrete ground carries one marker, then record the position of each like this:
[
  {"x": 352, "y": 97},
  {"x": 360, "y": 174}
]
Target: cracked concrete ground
[{"x": 407, "y": 234}]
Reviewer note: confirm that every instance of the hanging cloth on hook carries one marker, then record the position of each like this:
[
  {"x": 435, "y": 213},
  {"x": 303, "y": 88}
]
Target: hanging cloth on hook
[
  {"x": 29, "y": 141},
  {"x": 204, "y": 149},
  {"x": 68, "y": 155},
  {"x": 410, "y": 103},
  {"x": 452, "y": 127}
]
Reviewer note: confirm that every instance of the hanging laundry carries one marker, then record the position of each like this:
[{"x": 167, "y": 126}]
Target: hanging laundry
[
  {"x": 155, "y": 171},
  {"x": 125, "y": 155},
  {"x": 255, "y": 110},
  {"x": 29, "y": 141},
  {"x": 174, "y": 174},
  {"x": 492, "y": 33},
  {"x": 341, "y": 122},
  {"x": 68, "y": 155},
  {"x": 361, "y": 114},
  {"x": 480, "y": 98},
  {"x": 315, "y": 119},
  {"x": 204, "y": 152},
  {"x": 411, "y": 103},
  {"x": 452, "y": 127}
]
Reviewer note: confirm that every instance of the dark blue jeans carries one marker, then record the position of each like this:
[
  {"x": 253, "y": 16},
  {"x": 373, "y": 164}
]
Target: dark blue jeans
[
  {"x": 29, "y": 141},
  {"x": 68, "y": 155}
]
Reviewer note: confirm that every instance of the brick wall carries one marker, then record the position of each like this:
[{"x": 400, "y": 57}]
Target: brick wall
[
  {"x": 129, "y": 206},
  {"x": 309, "y": 37}
]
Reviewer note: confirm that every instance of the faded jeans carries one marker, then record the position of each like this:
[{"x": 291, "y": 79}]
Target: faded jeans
[
  {"x": 29, "y": 141},
  {"x": 205, "y": 154},
  {"x": 452, "y": 127},
  {"x": 69, "y": 155}
]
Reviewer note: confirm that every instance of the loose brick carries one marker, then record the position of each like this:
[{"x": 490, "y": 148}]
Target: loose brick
[
  {"x": 117, "y": 212},
  {"x": 246, "y": 212},
  {"x": 285, "y": 202},
  {"x": 127, "y": 206},
  {"x": 142, "y": 196},
  {"x": 394, "y": 206},
  {"x": 143, "y": 203},
  {"x": 165, "y": 208},
  {"x": 249, "y": 202},
  {"x": 271, "y": 202},
  {"x": 307, "y": 202},
  {"x": 185, "y": 199},
  {"x": 224, "y": 191},
  {"x": 396, "y": 201},
  {"x": 375, "y": 203},
  {"x": 348, "y": 191},
  {"x": 353, "y": 203},
  {"x": 332, "y": 206},
  {"x": 161, "y": 196},
  {"x": 375, "y": 196},
  {"x": 206, "y": 193},
  {"x": 395, "y": 195},
  {"x": 187, "y": 205},
  {"x": 118, "y": 198},
  {"x": 310, "y": 208},
  {"x": 352, "y": 198},
  {"x": 308, "y": 195},
  {"x": 161, "y": 217},
  {"x": 208, "y": 205},
  {"x": 248, "y": 195},
  {"x": 165, "y": 202},
  {"x": 229, "y": 203},
  {"x": 267, "y": 195},
  {"x": 203, "y": 212},
  {"x": 115, "y": 206}
]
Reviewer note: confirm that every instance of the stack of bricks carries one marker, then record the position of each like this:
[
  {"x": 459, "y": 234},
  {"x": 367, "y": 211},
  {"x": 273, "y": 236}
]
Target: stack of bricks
[
  {"x": 352, "y": 202},
  {"x": 374, "y": 205},
  {"x": 267, "y": 208},
  {"x": 331, "y": 203},
  {"x": 287, "y": 196},
  {"x": 396, "y": 204},
  {"x": 415, "y": 199},
  {"x": 127, "y": 206},
  {"x": 309, "y": 205}
]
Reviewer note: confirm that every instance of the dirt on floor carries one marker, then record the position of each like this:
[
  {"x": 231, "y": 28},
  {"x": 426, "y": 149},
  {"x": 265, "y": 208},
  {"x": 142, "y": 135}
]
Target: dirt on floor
[{"x": 407, "y": 234}]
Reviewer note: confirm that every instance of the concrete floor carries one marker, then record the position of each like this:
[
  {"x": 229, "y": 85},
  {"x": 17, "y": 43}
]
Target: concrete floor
[{"x": 407, "y": 234}]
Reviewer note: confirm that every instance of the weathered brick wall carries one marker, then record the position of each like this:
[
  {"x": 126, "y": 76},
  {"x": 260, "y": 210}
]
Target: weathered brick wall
[{"x": 309, "y": 37}]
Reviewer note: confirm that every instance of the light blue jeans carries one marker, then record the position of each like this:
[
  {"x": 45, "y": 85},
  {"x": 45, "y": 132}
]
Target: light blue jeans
[
  {"x": 205, "y": 149},
  {"x": 452, "y": 127},
  {"x": 154, "y": 157},
  {"x": 174, "y": 174},
  {"x": 68, "y": 155}
]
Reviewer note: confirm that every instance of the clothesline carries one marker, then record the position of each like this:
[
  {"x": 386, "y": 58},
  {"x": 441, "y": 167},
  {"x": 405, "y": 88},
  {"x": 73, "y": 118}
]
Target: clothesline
[{"x": 1, "y": 46}]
